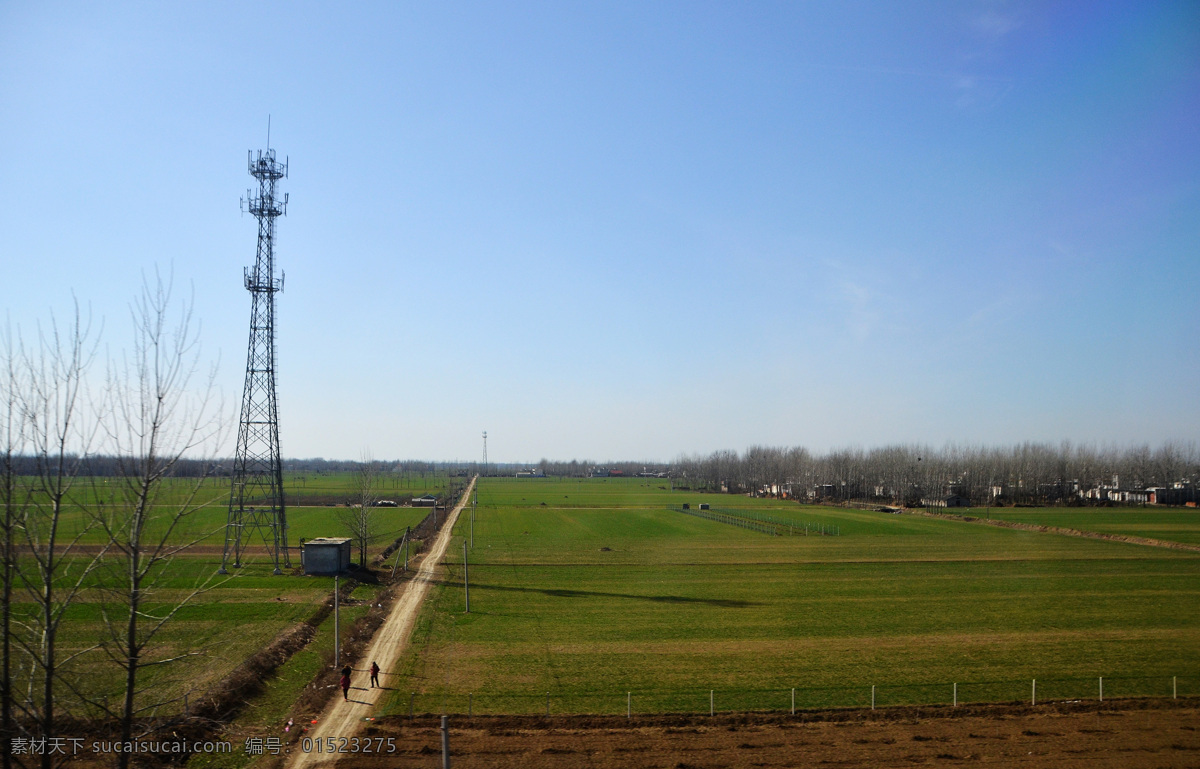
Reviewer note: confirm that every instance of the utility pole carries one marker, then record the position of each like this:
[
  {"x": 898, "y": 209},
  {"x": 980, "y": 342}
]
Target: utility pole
[{"x": 466, "y": 579}]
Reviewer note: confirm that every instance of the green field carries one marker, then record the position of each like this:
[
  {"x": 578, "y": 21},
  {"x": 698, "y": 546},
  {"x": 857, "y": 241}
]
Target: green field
[
  {"x": 312, "y": 506},
  {"x": 210, "y": 635},
  {"x": 594, "y": 592},
  {"x": 235, "y": 616},
  {"x": 1173, "y": 524}
]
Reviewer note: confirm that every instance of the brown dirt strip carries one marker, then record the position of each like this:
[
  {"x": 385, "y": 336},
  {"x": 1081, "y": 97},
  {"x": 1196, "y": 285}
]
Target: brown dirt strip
[
  {"x": 1122, "y": 733},
  {"x": 1127, "y": 538}
]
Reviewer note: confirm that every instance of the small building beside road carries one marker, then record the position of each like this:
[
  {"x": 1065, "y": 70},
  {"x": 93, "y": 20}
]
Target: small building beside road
[{"x": 325, "y": 555}]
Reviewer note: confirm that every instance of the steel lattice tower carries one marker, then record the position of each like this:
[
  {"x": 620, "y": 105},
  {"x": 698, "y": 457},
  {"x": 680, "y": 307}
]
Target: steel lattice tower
[{"x": 256, "y": 494}]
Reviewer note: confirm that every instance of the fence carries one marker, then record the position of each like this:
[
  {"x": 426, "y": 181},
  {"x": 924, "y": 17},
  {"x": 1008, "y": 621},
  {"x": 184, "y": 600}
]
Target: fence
[
  {"x": 781, "y": 700},
  {"x": 761, "y": 522}
]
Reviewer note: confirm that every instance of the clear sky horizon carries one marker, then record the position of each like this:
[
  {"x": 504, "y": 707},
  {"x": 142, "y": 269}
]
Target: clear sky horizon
[{"x": 631, "y": 230}]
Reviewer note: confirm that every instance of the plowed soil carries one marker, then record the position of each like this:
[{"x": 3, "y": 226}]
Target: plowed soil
[{"x": 1126, "y": 733}]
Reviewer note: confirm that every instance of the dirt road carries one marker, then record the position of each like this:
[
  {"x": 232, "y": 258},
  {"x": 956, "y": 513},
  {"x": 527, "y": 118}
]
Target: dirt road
[{"x": 343, "y": 718}]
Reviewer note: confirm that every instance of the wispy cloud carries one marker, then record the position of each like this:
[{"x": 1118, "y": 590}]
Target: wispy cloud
[
  {"x": 998, "y": 311},
  {"x": 993, "y": 24},
  {"x": 973, "y": 91},
  {"x": 988, "y": 29},
  {"x": 861, "y": 314},
  {"x": 967, "y": 88}
]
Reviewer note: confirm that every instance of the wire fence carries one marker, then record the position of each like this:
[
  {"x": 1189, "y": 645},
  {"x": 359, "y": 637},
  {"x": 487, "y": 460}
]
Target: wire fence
[
  {"x": 755, "y": 520},
  {"x": 714, "y": 701}
]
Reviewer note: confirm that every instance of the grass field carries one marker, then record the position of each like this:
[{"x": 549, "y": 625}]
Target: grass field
[
  {"x": 238, "y": 615},
  {"x": 593, "y": 591},
  {"x": 1169, "y": 524},
  {"x": 210, "y": 635},
  {"x": 312, "y": 506}
]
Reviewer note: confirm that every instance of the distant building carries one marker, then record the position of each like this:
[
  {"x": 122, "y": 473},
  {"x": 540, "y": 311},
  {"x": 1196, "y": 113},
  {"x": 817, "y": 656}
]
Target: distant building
[
  {"x": 950, "y": 500},
  {"x": 1178, "y": 494},
  {"x": 1124, "y": 496},
  {"x": 1129, "y": 497},
  {"x": 426, "y": 501}
]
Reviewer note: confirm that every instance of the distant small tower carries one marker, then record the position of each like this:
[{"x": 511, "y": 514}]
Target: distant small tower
[
  {"x": 256, "y": 494},
  {"x": 485, "y": 453}
]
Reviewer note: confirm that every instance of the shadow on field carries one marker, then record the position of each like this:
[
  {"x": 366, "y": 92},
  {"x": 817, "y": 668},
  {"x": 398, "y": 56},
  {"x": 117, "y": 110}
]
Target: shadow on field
[{"x": 724, "y": 603}]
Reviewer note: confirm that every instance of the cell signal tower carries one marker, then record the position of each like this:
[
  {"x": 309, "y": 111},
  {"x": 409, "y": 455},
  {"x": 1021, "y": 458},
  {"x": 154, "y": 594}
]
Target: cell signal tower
[
  {"x": 485, "y": 453},
  {"x": 256, "y": 495}
]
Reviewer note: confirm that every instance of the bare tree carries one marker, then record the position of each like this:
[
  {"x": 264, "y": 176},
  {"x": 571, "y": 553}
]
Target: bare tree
[
  {"x": 50, "y": 421},
  {"x": 11, "y": 444},
  {"x": 157, "y": 418},
  {"x": 361, "y": 517}
]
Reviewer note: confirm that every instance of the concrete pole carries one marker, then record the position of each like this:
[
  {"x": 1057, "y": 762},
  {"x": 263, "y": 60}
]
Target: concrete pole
[
  {"x": 466, "y": 579},
  {"x": 337, "y": 639},
  {"x": 445, "y": 742}
]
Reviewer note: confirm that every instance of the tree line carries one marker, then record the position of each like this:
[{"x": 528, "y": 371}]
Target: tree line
[{"x": 1027, "y": 473}]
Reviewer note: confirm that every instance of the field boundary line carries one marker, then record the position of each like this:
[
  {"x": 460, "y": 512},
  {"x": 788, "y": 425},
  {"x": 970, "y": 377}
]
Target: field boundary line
[
  {"x": 1128, "y": 539},
  {"x": 756, "y": 520}
]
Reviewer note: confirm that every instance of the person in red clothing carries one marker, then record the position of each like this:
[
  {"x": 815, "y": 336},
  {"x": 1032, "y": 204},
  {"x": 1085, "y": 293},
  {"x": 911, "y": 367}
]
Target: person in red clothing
[
  {"x": 374, "y": 674},
  {"x": 346, "y": 683}
]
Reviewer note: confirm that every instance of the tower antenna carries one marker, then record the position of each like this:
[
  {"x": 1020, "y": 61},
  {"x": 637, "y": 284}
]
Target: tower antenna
[
  {"x": 256, "y": 492},
  {"x": 485, "y": 453}
]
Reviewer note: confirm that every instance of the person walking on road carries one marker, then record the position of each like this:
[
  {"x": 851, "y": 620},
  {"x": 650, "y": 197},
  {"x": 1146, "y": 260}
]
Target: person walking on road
[
  {"x": 374, "y": 674},
  {"x": 346, "y": 683}
]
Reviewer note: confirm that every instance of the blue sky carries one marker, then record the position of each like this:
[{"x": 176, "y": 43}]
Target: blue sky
[{"x": 626, "y": 230}]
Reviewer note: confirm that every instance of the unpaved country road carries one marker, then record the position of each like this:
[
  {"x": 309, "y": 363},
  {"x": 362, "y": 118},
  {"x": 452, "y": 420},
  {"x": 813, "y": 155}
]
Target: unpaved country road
[{"x": 342, "y": 718}]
